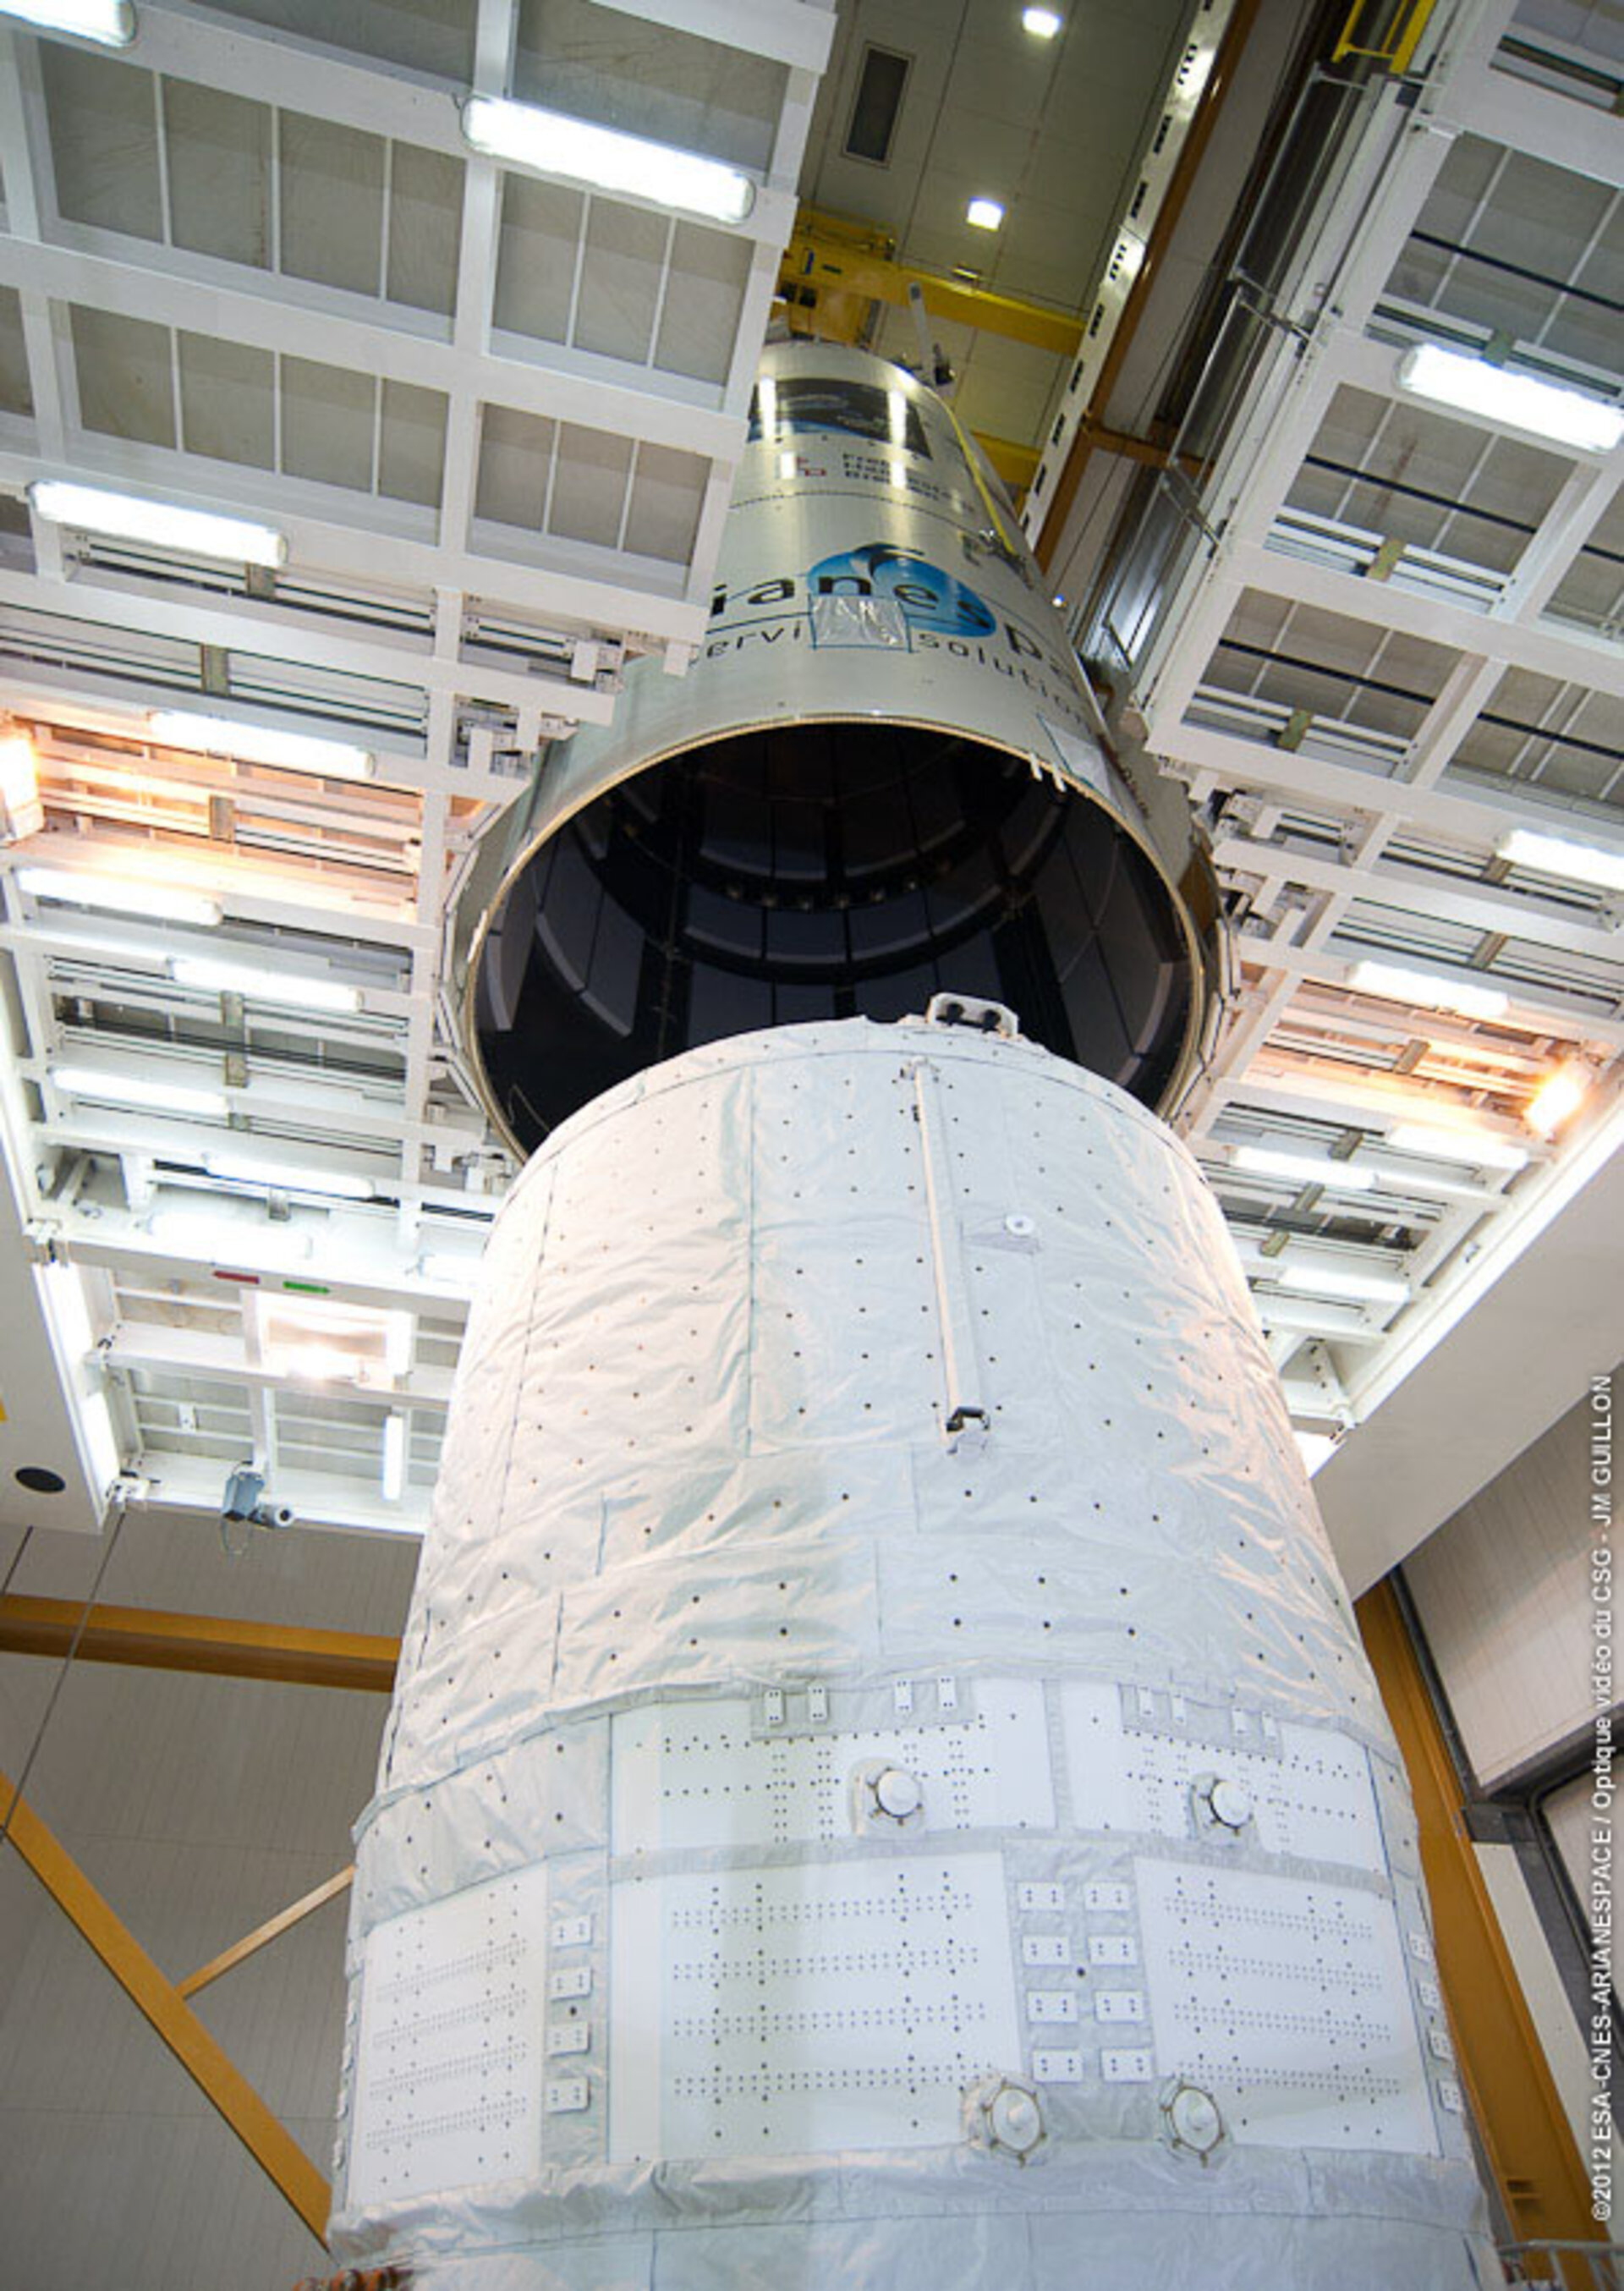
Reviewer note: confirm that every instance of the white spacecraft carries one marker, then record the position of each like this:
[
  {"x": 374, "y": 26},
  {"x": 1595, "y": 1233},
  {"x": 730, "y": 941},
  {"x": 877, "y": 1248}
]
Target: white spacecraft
[{"x": 883, "y": 1787}]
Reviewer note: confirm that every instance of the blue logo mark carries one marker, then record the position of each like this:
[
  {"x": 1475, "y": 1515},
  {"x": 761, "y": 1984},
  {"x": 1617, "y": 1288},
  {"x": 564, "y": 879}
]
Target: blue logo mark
[{"x": 926, "y": 597}]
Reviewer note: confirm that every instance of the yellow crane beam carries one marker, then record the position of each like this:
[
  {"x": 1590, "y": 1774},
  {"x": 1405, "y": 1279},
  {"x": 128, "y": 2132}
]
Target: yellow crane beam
[
  {"x": 271, "y": 2145},
  {"x": 217, "y": 1644},
  {"x": 836, "y": 269}
]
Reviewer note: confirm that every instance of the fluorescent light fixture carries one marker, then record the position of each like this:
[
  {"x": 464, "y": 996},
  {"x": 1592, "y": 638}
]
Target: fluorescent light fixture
[
  {"x": 1304, "y": 1169},
  {"x": 1332, "y": 1280},
  {"x": 262, "y": 984},
  {"x": 225, "y": 1241},
  {"x": 1042, "y": 23},
  {"x": 394, "y": 1459},
  {"x": 132, "y": 1090},
  {"x": 258, "y": 743},
  {"x": 1400, "y": 986},
  {"x": 1545, "y": 409},
  {"x": 319, "y": 1364},
  {"x": 340, "y": 1184},
  {"x": 554, "y": 143},
  {"x": 194, "y": 532},
  {"x": 21, "y": 812},
  {"x": 1479, "y": 1149},
  {"x": 1558, "y": 1096},
  {"x": 398, "y": 1331},
  {"x": 112, "y": 22},
  {"x": 1555, "y": 855},
  {"x": 787, "y": 465},
  {"x": 82, "y": 889},
  {"x": 985, "y": 214}
]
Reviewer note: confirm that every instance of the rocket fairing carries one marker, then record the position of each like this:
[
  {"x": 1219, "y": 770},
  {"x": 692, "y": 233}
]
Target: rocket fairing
[{"x": 883, "y": 1785}]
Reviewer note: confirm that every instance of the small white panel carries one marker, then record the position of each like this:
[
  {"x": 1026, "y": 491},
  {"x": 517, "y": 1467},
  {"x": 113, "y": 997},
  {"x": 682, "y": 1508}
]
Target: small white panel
[
  {"x": 1119, "y": 2004},
  {"x": 817, "y": 1704},
  {"x": 947, "y": 1693},
  {"x": 1045, "y": 1949},
  {"x": 1112, "y": 1948},
  {"x": 1050, "y": 2005},
  {"x": 1127, "y": 2067},
  {"x": 775, "y": 1706},
  {"x": 1034, "y": 1895},
  {"x": 1449, "y": 2092},
  {"x": 570, "y": 1981},
  {"x": 571, "y": 1932},
  {"x": 569, "y": 2036},
  {"x": 805, "y": 2010},
  {"x": 902, "y": 1696},
  {"x": 1104, "y": 1895},
  {"x": 1438, "y": 2042},
  {"x": 694, "y": 1774},
  {"x": 448, "y": 2072},
  {"x": 1421, "y": 1946},
  {"x": 1288, "y": 2002},
  {"x": 1311, "y": 1790},
  {"x": 1058, "y": 2068},
  {"x": 1429, "y": 1992},
  {"x": 566, "y": 2096}
]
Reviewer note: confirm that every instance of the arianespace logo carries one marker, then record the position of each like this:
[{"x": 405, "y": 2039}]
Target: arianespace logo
[
  {"x": 904, "y": 591},
  {"x": 927, "y": 598},
  {"x": 883, "y": 598}
]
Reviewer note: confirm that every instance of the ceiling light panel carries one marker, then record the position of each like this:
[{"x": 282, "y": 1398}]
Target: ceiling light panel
[
  {"x": 261, "y": 982},
  {"x": 120, "y": 894},
  {"x": 109, "y": 22},
  {"x": 1397, "y": 983},
  {"x": 165, "y": 525},
  {"x": 553, "y": 143},
  {"x": 258, "y": 743},
  {"x": 1512, "y": 397}
]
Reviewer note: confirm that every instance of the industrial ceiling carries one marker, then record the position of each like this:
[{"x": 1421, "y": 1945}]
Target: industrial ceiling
[{"x": 252, "y": 265}]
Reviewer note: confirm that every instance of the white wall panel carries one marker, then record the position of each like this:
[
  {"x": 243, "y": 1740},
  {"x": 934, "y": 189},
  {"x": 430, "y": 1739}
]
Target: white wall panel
[{"x": 1503, "y": 1592}]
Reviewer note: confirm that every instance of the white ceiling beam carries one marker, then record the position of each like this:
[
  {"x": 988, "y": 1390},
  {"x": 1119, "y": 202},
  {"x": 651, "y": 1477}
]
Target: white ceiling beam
[
  {"x": 1554, "y": 1015},
  {"x": 276, "y": 66},
  {"x": 1567, "y": 525},
  {"x": 301, "y": 637},
  {"x": 213, "y": 1354},
  {"x": 1572, "y": 655},
  {"x": 195, "y": 294},
  {"x": 1504, "y": 107},
  {"x": 196, "y": 1483},
  {"x": 1474, "y": 820},
  {"x": 355, "y": 548},
  {"x": 1417, "y": 890},
  {"x": 250, "y": 887},
  {"x": 789, "y": 31}
]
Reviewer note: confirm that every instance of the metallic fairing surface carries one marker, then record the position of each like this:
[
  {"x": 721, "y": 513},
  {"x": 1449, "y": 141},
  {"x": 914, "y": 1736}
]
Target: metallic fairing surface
[
  {"x": 883, "y": 1786},
  {"x": 882, "y": 775}
]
